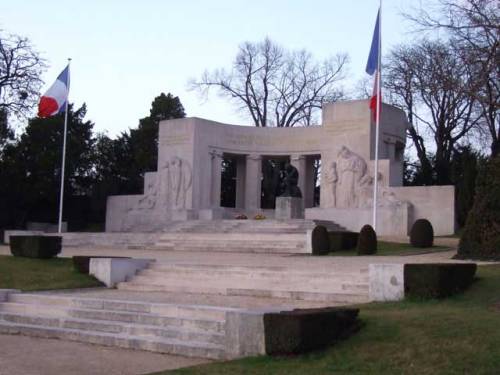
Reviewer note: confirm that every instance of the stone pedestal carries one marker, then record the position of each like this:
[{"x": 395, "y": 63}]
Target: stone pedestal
[
  {"x": 289, "y": 208},
  {"x": 183, "y": 215}
]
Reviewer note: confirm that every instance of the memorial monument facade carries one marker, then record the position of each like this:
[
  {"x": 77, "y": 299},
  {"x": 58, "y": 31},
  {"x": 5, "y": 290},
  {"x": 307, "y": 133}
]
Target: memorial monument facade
[{"x": 187, "y": 183}]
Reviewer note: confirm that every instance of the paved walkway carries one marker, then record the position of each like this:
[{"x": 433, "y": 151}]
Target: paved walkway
[{"x": 21, "y": 355}]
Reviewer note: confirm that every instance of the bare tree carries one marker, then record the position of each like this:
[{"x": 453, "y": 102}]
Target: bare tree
[
  {"x": 277, "y": 87},
  {"x": 473, "y": 26},
  {"x": 20, "y": 70},
  {"x": 430, "y": 81}
]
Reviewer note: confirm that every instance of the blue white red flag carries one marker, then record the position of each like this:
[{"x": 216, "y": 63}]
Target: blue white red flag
[
  {"x": 372, "y": 65},
  {"x": 54, "y": 100}
]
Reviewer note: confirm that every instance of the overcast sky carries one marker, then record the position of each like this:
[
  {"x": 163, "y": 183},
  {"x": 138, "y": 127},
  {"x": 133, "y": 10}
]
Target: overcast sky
[{"x": 126, "y": 52}]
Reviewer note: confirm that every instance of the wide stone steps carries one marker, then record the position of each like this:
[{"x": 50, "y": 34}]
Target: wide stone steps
[
  {"x": 255, "y": 281},
  {"x": 333, "y": 297},
  {"x": 170, "y": 346},
  {"x": 188, "y": 330},
  {"x": 234, "y": 242}
]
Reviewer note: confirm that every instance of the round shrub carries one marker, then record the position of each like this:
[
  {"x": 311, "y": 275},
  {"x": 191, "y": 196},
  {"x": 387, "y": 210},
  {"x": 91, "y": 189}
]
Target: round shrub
[
  {"x": 320, "y": 241},
  {"x": 422, "y": 234},
  {"x": 367, "y": 241}
]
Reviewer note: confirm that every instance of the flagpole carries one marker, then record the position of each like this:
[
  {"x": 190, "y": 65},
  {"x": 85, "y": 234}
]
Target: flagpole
[
  {"x": 377, "y": 116},
  {"x": 61, "y": 195}
]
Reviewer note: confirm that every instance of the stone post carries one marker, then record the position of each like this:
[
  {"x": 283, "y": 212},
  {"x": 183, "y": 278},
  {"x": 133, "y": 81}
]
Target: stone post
[
  {"x": 240, "y": 182},
  {"x": 216, "y": 178},
  {"x": 253, "y": 182}
]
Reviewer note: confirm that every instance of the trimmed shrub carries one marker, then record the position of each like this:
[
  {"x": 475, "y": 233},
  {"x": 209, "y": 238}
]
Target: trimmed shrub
[
  {"x": 481, "y": 235},
  {"x": 367, "y": 241},
  {"x": 343, "y": 240},
  {"x": 437, "y": 280},
  {"x": 81, "y": 263},
  {"x": 303, "y": 330},
  {"x": 422, "y": 233},
  {"x": 320, "y": 241},
  {"x": 42, "y": 247}
]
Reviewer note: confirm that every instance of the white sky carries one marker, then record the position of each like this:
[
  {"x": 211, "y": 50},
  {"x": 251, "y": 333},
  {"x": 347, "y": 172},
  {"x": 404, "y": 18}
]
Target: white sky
[{"x": 126, "y": 52}]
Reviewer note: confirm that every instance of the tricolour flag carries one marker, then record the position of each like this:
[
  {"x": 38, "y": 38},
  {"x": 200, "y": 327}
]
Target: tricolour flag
[
  {"x": 54, "y": 100},
  {"x": 372, "y": 65}
]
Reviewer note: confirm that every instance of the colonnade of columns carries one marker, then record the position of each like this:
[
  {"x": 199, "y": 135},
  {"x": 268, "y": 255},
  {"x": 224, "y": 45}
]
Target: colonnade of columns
[{"x": 249, "y": 179}]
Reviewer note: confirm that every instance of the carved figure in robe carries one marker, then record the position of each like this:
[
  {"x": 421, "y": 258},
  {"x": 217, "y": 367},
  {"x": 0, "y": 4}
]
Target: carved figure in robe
[
  {"x": 179, "y": 181},
  {"x": 331, "y": 177},
  {"x": 351, "y": 168}
]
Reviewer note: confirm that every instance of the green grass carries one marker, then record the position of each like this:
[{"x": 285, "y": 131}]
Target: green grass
[
  {"x": 393, "y": 248},
  {"x": 41, "y": 274},
  {"x": 459, "y": 335}
]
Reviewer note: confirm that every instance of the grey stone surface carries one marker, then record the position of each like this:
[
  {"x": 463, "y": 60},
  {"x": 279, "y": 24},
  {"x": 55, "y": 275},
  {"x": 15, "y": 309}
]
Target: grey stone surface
[
  {"x": 111, "y": 271},
  {"x": 245, "y": 334},
  {"x": 46, "y": 227},
  {"x": 4, "y": 294},
  {"x": 289, "y": 208},
  {"x": 386, "y": 282},
  {"x": 187, "y": 182}
]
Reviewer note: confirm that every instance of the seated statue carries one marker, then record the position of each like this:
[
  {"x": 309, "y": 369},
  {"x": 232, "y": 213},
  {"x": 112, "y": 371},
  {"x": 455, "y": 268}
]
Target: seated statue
[{"x": 290, "y": 182}]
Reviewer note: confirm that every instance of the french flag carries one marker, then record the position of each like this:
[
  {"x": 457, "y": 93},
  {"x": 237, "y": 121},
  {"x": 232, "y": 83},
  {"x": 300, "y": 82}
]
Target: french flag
[
  {"x": 54, "y": 100},
  {"x": 372, "y": 65}
]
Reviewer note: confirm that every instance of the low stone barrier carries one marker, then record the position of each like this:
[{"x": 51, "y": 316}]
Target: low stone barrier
[
  {"x": 111, "y": 271},
  {"x": 394, "y": 282}
]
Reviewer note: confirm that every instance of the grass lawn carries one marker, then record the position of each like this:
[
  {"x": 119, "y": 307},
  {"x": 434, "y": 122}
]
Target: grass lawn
[
  {"x": 393, "y": 248},
  {"x": 41, "y": 274},
  {"x": 460, "y": 335}
]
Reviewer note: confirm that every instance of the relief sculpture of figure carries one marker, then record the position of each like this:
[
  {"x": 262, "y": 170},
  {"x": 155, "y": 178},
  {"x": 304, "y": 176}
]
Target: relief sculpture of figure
[
  {"x": 148, "y": 201},
  {"x": 351, "y": 168},
  {"x": 331, "y": 177},
  {"x": 179, "y": 181}
]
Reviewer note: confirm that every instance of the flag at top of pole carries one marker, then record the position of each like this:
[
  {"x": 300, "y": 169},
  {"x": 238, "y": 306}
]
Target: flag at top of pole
[
  {"x": 54, "y": 100},
  {"x": 373, "y": 67}
]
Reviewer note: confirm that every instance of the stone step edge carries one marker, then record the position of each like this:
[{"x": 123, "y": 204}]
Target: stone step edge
[
  {"x": 125, "y": 325},
  {"x": 198, "y": 266},
  {"x": 251, "y": 292},
  {"x": 124, "y": 341},
  {"x": 62, "y": 309},
  {"x": 126, "y": 301}
]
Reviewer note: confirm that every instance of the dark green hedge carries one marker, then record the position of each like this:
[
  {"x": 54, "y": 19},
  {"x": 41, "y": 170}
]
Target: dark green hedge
[
  {"x": 42, "y": 247},
  {"x": 343, "y": 240},
  {"x": 303, "y": 330},
  {"x": 367, "y": 241},
  {"x": 429, "y": 280},
  {"x": 481, "y": 235},
  {"x": 320, "y": 241}
]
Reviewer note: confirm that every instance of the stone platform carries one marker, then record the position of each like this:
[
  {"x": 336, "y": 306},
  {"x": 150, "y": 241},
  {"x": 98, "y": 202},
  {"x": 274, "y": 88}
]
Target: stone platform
[{"x": 255, "y": 236}]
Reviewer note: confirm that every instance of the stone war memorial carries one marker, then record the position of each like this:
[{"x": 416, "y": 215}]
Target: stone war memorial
[
  {"x": 187, "y": 183},
  {"x": 185, "y": 274}
]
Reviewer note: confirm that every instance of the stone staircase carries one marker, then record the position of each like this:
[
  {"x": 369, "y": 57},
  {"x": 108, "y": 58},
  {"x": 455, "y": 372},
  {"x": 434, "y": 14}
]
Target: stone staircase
[
  {"x": 254, "y": 236},
  {"x": 335, "y": 286},
  {"x": 188, "y": 330}
]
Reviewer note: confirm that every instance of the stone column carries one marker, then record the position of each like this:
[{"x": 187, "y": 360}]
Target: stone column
[
  {"x": 240, "y": 182},
  {"x": 253, "y": 181},
  {"x": 216, "y": 178},
  {"x": 299, "y": 162},
  {"x": 309, "y": 183}
]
